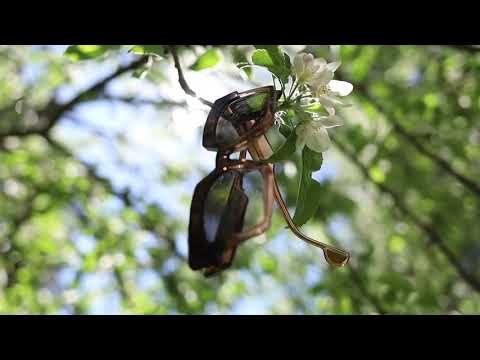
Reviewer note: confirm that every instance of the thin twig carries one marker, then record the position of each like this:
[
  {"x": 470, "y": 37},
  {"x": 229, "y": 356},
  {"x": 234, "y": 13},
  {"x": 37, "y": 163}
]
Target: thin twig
[
  {"x": 136, "y": 101},
  {"x": 125, "y": 196},
  {"x": 21, "y": 218},
  {"x": 55, "y": 111},
  {"x": 427, "y": 228},
  {"x": 359, "y": 283},
  {"x": 181, "y": 78},
  {"x": 473, "y": 49},
  {"x": 398, "y": 128},
  {"x": 357, "y": 280},
  {"x": 444, "y": 164},
  {"x": 52, "y": 113}
]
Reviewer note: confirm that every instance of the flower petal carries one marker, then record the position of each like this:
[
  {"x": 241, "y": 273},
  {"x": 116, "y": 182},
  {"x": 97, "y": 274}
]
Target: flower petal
[
  {"x": 301, "y": 130},
  {"x": 326, "y": 102},
  {"x": 314, "y": 125},
  {"x": 322, "y": 78},
  {"x": 331, "y": 111},
  {"x": 321, "y": 61},
  {"x": 331, "y": 121},
  {"x": 319, "y": 140},
  {"x": 333, "y": 66},
  {"x": 300, "y": 142},
  {"x": 298, "y": 64},
  {"x": 334, "y": 99},
  {"x": 318, "y": 65},
  {"x": 342, "y": 88},
  {"x": 307, "y": 58}
]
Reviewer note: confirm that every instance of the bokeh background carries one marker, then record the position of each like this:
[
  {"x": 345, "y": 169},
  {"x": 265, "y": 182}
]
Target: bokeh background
[{"x": 98, "y": 165}]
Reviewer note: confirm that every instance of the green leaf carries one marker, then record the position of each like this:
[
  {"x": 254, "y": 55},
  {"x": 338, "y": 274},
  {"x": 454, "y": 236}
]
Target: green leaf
[
  {"x": 274, "y": 52},
  {"x": 396, "y": 244},
  {"x": 285, "y": 130},
  {"x": 309, "y": 191},
  {"x": 143, "y": 71},
  {"x": 290, "y": 118},
  {"x": 317, "y": 109},
  {"x": 261, "y": 57},
  {"x": 309, "y": 205},
  {"x": 207, "y": 60},
  {"x": 148, "y": 49},
  {"x": 377, "y": 174},
  {"x": 271, "y": 57},
  {"x": 241, "y": 61},
  {"x": 268, "y": 263},
  {"x": 313, "y": 159},
  {"x": 285, "y": 151},
  {"x": 245, "y": 67},
  {"x": 288, "y": 63},
  {"x": 87, "y": 52}
]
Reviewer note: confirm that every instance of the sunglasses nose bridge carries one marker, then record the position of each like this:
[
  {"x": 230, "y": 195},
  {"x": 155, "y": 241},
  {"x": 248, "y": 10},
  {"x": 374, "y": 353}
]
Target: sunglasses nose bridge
[{"x": 222, "y": 160}]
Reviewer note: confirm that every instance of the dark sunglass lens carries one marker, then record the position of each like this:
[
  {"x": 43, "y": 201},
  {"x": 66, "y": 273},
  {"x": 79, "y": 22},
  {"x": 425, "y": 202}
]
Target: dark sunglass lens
[
  {"x": 233, "y": 121},
  {"x": 215, "y": 204},
  {"x": 249, "y": 106},
  {"x": 253, "y": 186},
  {"x": 226, "y": 134},
  {"x": 233, "y": 205}
]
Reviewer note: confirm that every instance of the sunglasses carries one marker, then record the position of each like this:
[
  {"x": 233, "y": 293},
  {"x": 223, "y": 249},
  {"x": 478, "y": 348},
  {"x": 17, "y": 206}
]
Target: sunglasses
[{"x": 234, "y": 202}]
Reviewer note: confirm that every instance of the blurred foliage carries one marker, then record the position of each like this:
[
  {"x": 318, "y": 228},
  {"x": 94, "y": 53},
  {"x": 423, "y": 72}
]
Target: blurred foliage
[{"x": 404, "y": 198}]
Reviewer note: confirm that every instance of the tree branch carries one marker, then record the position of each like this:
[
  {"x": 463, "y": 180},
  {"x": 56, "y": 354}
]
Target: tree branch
[
  {"x": 55, "y": 111},
  {"x": 181, "y": 78},
  {"x": 125, "y": 196},
  {"x": 398, "y": 128},
  {"x": 472, "y": 49},
  {"x": 52, "y": 113},
  {"x": 442, "y": 163},
  {"x": 19, "y": 220},
  {"x": 357, "y": 280},
  {"x": 427, "y": 228},
  {"x": 136, "y": 101}
]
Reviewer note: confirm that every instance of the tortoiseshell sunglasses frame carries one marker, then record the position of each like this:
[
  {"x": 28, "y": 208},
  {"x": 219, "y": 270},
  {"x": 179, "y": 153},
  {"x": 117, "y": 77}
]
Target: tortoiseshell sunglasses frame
[{"x": 219, "y": 255}]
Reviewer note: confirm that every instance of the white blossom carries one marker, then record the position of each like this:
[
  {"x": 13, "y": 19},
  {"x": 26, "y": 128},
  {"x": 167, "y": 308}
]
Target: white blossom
[
  {"x": 329, "y": 94},
  {"x": 313, "y": 133},
  {"x": 306, "y": 67},
  {"x": 327, "y": 90},
  {"x": 317, "y": 75}
]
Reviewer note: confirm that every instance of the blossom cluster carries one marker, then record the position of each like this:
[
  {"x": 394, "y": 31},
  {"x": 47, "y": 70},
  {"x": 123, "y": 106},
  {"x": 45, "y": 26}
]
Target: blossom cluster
[{"x": 315, "y": 76}]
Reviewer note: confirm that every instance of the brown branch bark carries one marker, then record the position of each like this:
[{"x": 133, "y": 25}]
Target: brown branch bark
[
  {"x": 359, "y": 283},
  {"x": 125, "y": 196},
  {"x": 472, "y": 49},
  {"x": 442, "y": 163},
  {"x": 22, "y": 217},
  {"x": 357, "y": 280},
  {"x": 136, "y": 101},
  {"x": 181, "y": 78},
  {"x": 427, "y": 228},
  {"x": 399, "y": 129},
  {"x": 52, "y": 113},
  {"x": 55, "y": 111}
]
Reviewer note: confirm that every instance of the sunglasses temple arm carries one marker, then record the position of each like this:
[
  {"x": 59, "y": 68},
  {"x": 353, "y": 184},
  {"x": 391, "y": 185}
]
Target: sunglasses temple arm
[
  {"x": 262, "y": 150},
  {"x": 294, "y": 228}
]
